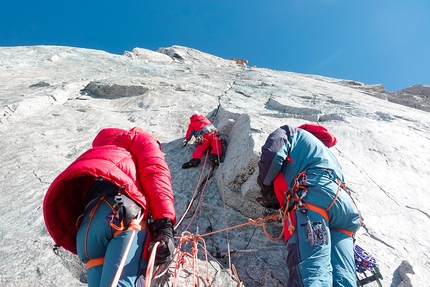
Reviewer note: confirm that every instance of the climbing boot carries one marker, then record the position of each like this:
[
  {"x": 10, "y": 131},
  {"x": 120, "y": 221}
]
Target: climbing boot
[
  {"x": 214, "y": 159},
  {"x": 267, "y": 202},
  {"x": 192, "y": 163}
]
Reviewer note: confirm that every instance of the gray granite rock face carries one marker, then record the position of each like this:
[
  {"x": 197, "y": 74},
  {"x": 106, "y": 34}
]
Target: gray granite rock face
[{"x": 56, "y": 99}]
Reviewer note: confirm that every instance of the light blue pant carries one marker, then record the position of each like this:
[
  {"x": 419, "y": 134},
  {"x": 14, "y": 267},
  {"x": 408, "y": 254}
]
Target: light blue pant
[
  {"x": 95, "y": 239},
  {"x": 324, "y": 265}
]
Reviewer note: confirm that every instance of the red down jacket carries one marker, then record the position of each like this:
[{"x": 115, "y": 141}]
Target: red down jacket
[
  {"x": 197, "y": 123},
  {"x": 126, "y": 158}
]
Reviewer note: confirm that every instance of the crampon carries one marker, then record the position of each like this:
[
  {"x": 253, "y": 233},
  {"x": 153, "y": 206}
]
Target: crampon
[{"x": 366, "y": 267}]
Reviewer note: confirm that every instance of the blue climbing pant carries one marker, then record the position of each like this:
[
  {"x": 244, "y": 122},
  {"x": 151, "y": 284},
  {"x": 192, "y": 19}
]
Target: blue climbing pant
[
  {"x": 331, "y": 262},
  {"x": 96, "y": 242}
]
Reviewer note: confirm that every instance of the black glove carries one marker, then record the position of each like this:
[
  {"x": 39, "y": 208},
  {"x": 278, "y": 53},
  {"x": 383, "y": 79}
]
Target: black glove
[
  {"x": 184, "y": 143},
  {"x": 268, "y": 198},
  {"x": 163, "y": 230}
]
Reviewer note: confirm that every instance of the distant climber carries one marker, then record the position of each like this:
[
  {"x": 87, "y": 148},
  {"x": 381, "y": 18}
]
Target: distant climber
[
  {"x": 297, "y": 171},
  {"x": 207, "y": 137},
  {"x": 104, "y": 200}
]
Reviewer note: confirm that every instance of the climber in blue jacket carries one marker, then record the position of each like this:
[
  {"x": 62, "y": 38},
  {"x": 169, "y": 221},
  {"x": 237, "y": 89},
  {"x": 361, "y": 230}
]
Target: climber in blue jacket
[{"x": 298, "y": 171}]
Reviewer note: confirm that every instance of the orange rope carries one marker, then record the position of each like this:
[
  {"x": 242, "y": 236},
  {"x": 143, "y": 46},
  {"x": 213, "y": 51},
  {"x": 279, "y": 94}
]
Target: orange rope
[
  {"x": 339, "y": 185},
  {"x": 149, "y": 270},
  {"x": 121, "y": 265},
  {"x": 200, "y": 199},
  {"x": 259, "y": 222},
  {"x": 194, "y": 194},
  {"x": 135, "y": 227},
  {"x": 182, "y": 258},
  {"x": 233, "y": 268},
  {"x": 225, "y": 212}
]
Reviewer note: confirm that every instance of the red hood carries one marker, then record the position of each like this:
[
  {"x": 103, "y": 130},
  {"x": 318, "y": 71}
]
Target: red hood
[{"x": 130, "y": 158}]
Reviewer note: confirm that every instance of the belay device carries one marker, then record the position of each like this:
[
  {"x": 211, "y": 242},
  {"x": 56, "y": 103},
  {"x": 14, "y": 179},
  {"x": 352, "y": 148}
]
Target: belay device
[{"x": 366, "y": 267}]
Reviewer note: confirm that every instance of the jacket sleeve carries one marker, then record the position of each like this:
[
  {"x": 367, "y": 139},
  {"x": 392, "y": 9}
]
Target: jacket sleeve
[
  {"x": 154, "y": 175},
  {"x": 273, "y": 154},
  {"x": 190, "y": 132}
]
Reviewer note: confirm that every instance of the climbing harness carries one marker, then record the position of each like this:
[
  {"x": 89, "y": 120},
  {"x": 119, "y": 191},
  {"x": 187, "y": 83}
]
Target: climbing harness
[
  {"x": 125, "y": 215},
  {"x": 366, "y": 267},
  {"x": 316, "y": 231},
  {"x": 198, "y": 136}
]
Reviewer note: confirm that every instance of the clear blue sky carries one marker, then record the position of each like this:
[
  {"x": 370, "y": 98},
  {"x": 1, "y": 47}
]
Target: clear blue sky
[{"x": 372, "y": 41}]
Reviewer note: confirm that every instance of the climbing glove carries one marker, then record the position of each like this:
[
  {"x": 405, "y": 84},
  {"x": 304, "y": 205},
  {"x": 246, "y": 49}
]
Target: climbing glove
[
  {"x": 268, "y": 198},
  {"x": 163, "y": 230}
]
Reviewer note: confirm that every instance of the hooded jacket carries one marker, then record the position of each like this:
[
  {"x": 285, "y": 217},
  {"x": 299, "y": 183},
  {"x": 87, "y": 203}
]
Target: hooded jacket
[
  {"x": 197, "y": 123},
  {"x": 131, "y": 159},
  {"x": 290, "y": 151}
]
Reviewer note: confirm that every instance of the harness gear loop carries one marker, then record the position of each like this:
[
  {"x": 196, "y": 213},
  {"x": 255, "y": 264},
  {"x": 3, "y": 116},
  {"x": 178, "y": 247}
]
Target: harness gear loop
[{"x": 137, "y": 224}]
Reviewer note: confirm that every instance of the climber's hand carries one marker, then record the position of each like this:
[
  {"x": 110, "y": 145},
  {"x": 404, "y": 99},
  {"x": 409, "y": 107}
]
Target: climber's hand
[
  {"x": 268, "y": 198},
  {"x": 163, "y": 229}
]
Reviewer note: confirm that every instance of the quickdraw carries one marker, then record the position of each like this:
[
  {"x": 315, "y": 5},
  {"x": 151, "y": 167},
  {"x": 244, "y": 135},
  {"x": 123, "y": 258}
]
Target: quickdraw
[{"x": 316, "y": 231}]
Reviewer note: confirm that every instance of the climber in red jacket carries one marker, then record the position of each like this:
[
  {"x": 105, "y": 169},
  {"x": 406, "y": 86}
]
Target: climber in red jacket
[
  {"x": 207, "y": 136},
  {"x": 104, "y": 200}
]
